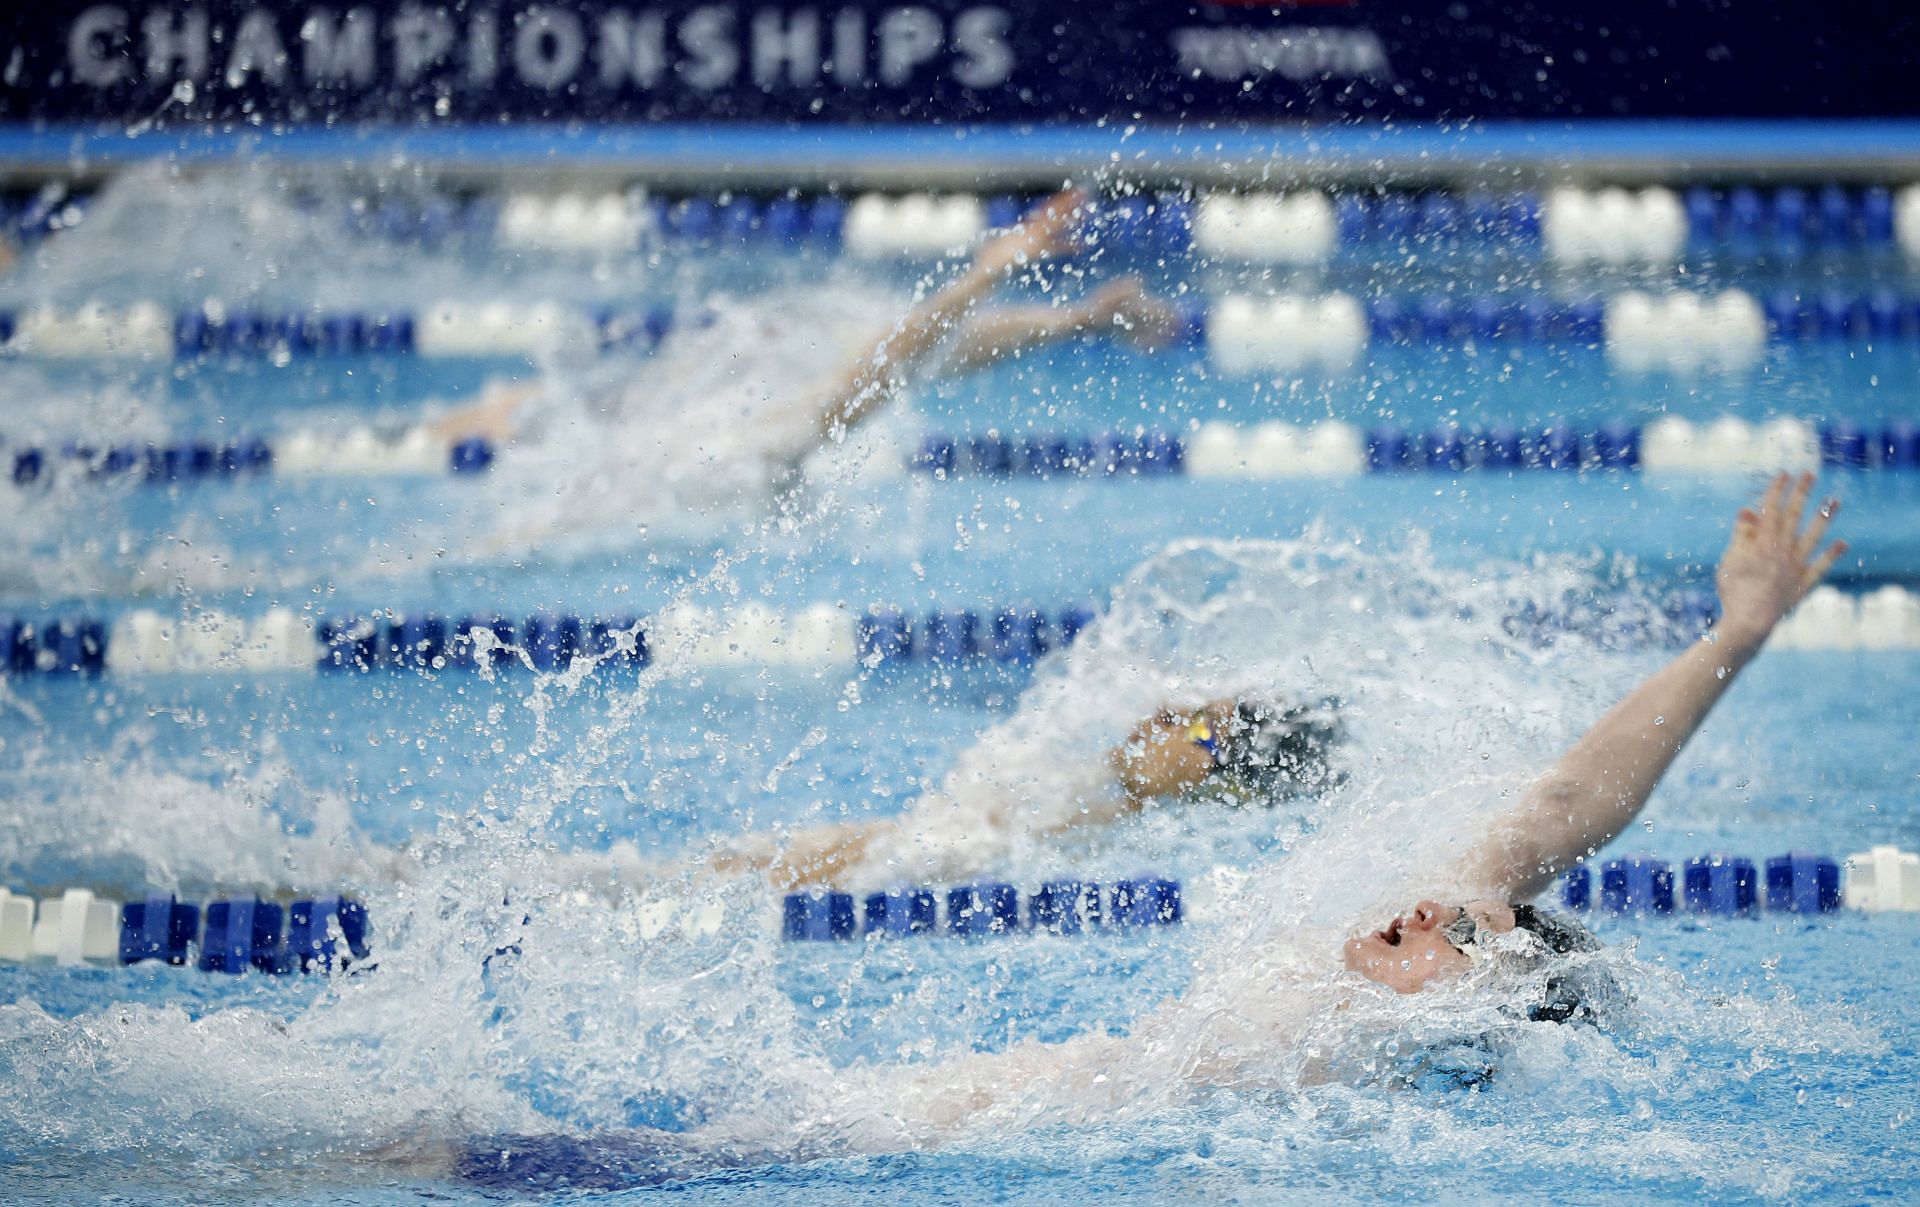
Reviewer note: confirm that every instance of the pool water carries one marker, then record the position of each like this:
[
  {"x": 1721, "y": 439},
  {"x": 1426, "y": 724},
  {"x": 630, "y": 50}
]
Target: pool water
[{"x": 1760, "y": 1058}]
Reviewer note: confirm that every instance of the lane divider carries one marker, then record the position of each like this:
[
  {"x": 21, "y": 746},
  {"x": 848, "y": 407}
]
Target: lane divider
[
  {"x": 755, "y": 636},
  {"x": 1607, "y": 226},
  {"x": 1213, "y": 450},
  {"x": 1880, "y": 880},
  {"x": 1671, "y": 330},
  {"x": 357, "y": 452},
  {"x": 232, "y": 934},
  {"x": 1061, "y": 907},
  {"x": 1269, "y": 450},
  {"x": 322, "y": 934},
  {"x": 1336, "y": 449},
  {"x": 452, "y": 328},
  {"x": 1884, "y": 879}
]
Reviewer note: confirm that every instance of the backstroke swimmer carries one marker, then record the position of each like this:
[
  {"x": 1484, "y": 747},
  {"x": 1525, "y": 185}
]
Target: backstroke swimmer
[
  {"x": 750, "y": 434},
  {"x": 1229, "y": 1026},
  {"x": 1243, "y": 751},
  {"x": 1225, "y": 753}
]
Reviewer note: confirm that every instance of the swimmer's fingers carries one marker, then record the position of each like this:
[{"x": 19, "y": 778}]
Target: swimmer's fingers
[
  {"x": 1819, "y": 569},
  {"x": 1770, "y": 505},
  {"x": 1817, "y": 529},
  {"x": 1051, "y": 224},
  {"x": 1796, "y": 507},
  {"x": 1058, "y": 210},
  {"x": 1046, "y": 230},
  {"x": 1746, "y": 526}
]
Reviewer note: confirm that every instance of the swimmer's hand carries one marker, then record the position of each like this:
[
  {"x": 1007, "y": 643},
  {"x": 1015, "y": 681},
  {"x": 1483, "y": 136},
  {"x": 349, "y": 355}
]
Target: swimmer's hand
[
  {"x": 1772, "y": 562},
  {"x": 1048, "y": 230}
]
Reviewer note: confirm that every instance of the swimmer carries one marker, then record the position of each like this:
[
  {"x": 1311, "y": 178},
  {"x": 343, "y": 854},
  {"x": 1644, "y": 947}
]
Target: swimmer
[
  {"x": 1229, "y": 751},
  {"x": 954, "y": 319}
]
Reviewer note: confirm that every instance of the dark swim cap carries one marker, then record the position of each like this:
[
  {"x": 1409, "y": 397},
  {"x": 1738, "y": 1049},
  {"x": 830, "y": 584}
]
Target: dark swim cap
[
  {"x": 1565, "y": 997},
  {"x": 1266, "y": 753},
  {"x": 1571, "y": 992}
]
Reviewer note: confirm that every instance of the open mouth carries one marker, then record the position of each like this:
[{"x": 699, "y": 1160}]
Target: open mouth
[{"x": 1390, "y": 934}]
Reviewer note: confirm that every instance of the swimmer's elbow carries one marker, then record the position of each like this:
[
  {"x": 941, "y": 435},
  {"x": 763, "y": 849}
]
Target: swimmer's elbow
[
  {"x": 1536, "y": 841},
  {"x": 1552, "y": 801}
]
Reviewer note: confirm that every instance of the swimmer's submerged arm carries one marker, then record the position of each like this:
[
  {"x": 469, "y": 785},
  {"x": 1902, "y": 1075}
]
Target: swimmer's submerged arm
[
  {"x": 1031, "y": 1077},
  {"x": 1600, "y": 786}
]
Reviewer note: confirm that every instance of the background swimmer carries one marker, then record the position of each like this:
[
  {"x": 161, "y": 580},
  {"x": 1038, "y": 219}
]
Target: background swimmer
[
  {"x": 1233, "y": 750},
  {"x": 752, "y": 434}
]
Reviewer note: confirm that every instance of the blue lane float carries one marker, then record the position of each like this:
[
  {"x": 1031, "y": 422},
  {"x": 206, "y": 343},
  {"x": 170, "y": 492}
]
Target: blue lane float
[
  {"x": 1803, "y": 883},
  {"x": 237, "y": 934},
  {"x": 425, "y": 641},
  {"x": 817, "y": 916},
  {"x": 983, "y": 910},
  {"x": 1636, "y": 886},
  {"x": 252, "y": 334},
  {"x": 64, "y": 646},
  {"x": 1011, "y": 635},
  {"x": 246, "y": 933},
  {"x": 1716, "y": 884},
  {"x": 1066, "y": 907},
  {"x": 158, "y": 928},
  {"x": 901, "y": 912},
  {"x": 1721, "y": 884}
]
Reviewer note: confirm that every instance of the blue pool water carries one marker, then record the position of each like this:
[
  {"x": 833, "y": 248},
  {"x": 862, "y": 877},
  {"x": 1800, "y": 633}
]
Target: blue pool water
[{"x": 1768, "y": 1058}]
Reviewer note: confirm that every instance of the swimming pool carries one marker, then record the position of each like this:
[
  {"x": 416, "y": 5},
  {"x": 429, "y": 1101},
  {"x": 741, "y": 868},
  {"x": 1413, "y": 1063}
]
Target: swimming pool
[{"x": 1765, "y": 1057}]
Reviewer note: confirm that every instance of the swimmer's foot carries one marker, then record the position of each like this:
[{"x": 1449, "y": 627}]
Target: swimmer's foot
[{"x": 1125, "y": 306}]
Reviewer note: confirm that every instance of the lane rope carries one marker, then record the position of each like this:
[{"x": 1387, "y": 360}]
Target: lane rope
[
  {"x": 1266, "y": 451},
  {"x": 230, "y": 934},
  {"x": 324, "y": 934},
  {"x": 1673, "y": 330},
  {"x": 1882, "y": 879},
  {"x": 752, "y": 636}
]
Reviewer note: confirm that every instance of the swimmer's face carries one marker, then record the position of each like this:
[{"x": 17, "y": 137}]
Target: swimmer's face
[
  {"x": 1160, "y": 757},
  {"x": 1411, "y": 952}
]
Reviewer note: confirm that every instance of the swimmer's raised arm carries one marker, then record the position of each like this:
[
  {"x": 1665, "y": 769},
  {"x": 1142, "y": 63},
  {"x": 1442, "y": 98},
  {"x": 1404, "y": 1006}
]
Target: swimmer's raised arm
[
  {"x": 1600, "y": 786},
  {"x": 874, "y": 378}
]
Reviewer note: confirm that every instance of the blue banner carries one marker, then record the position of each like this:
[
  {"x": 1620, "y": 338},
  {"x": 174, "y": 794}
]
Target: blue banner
[{"x": 856, "y": 62}]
